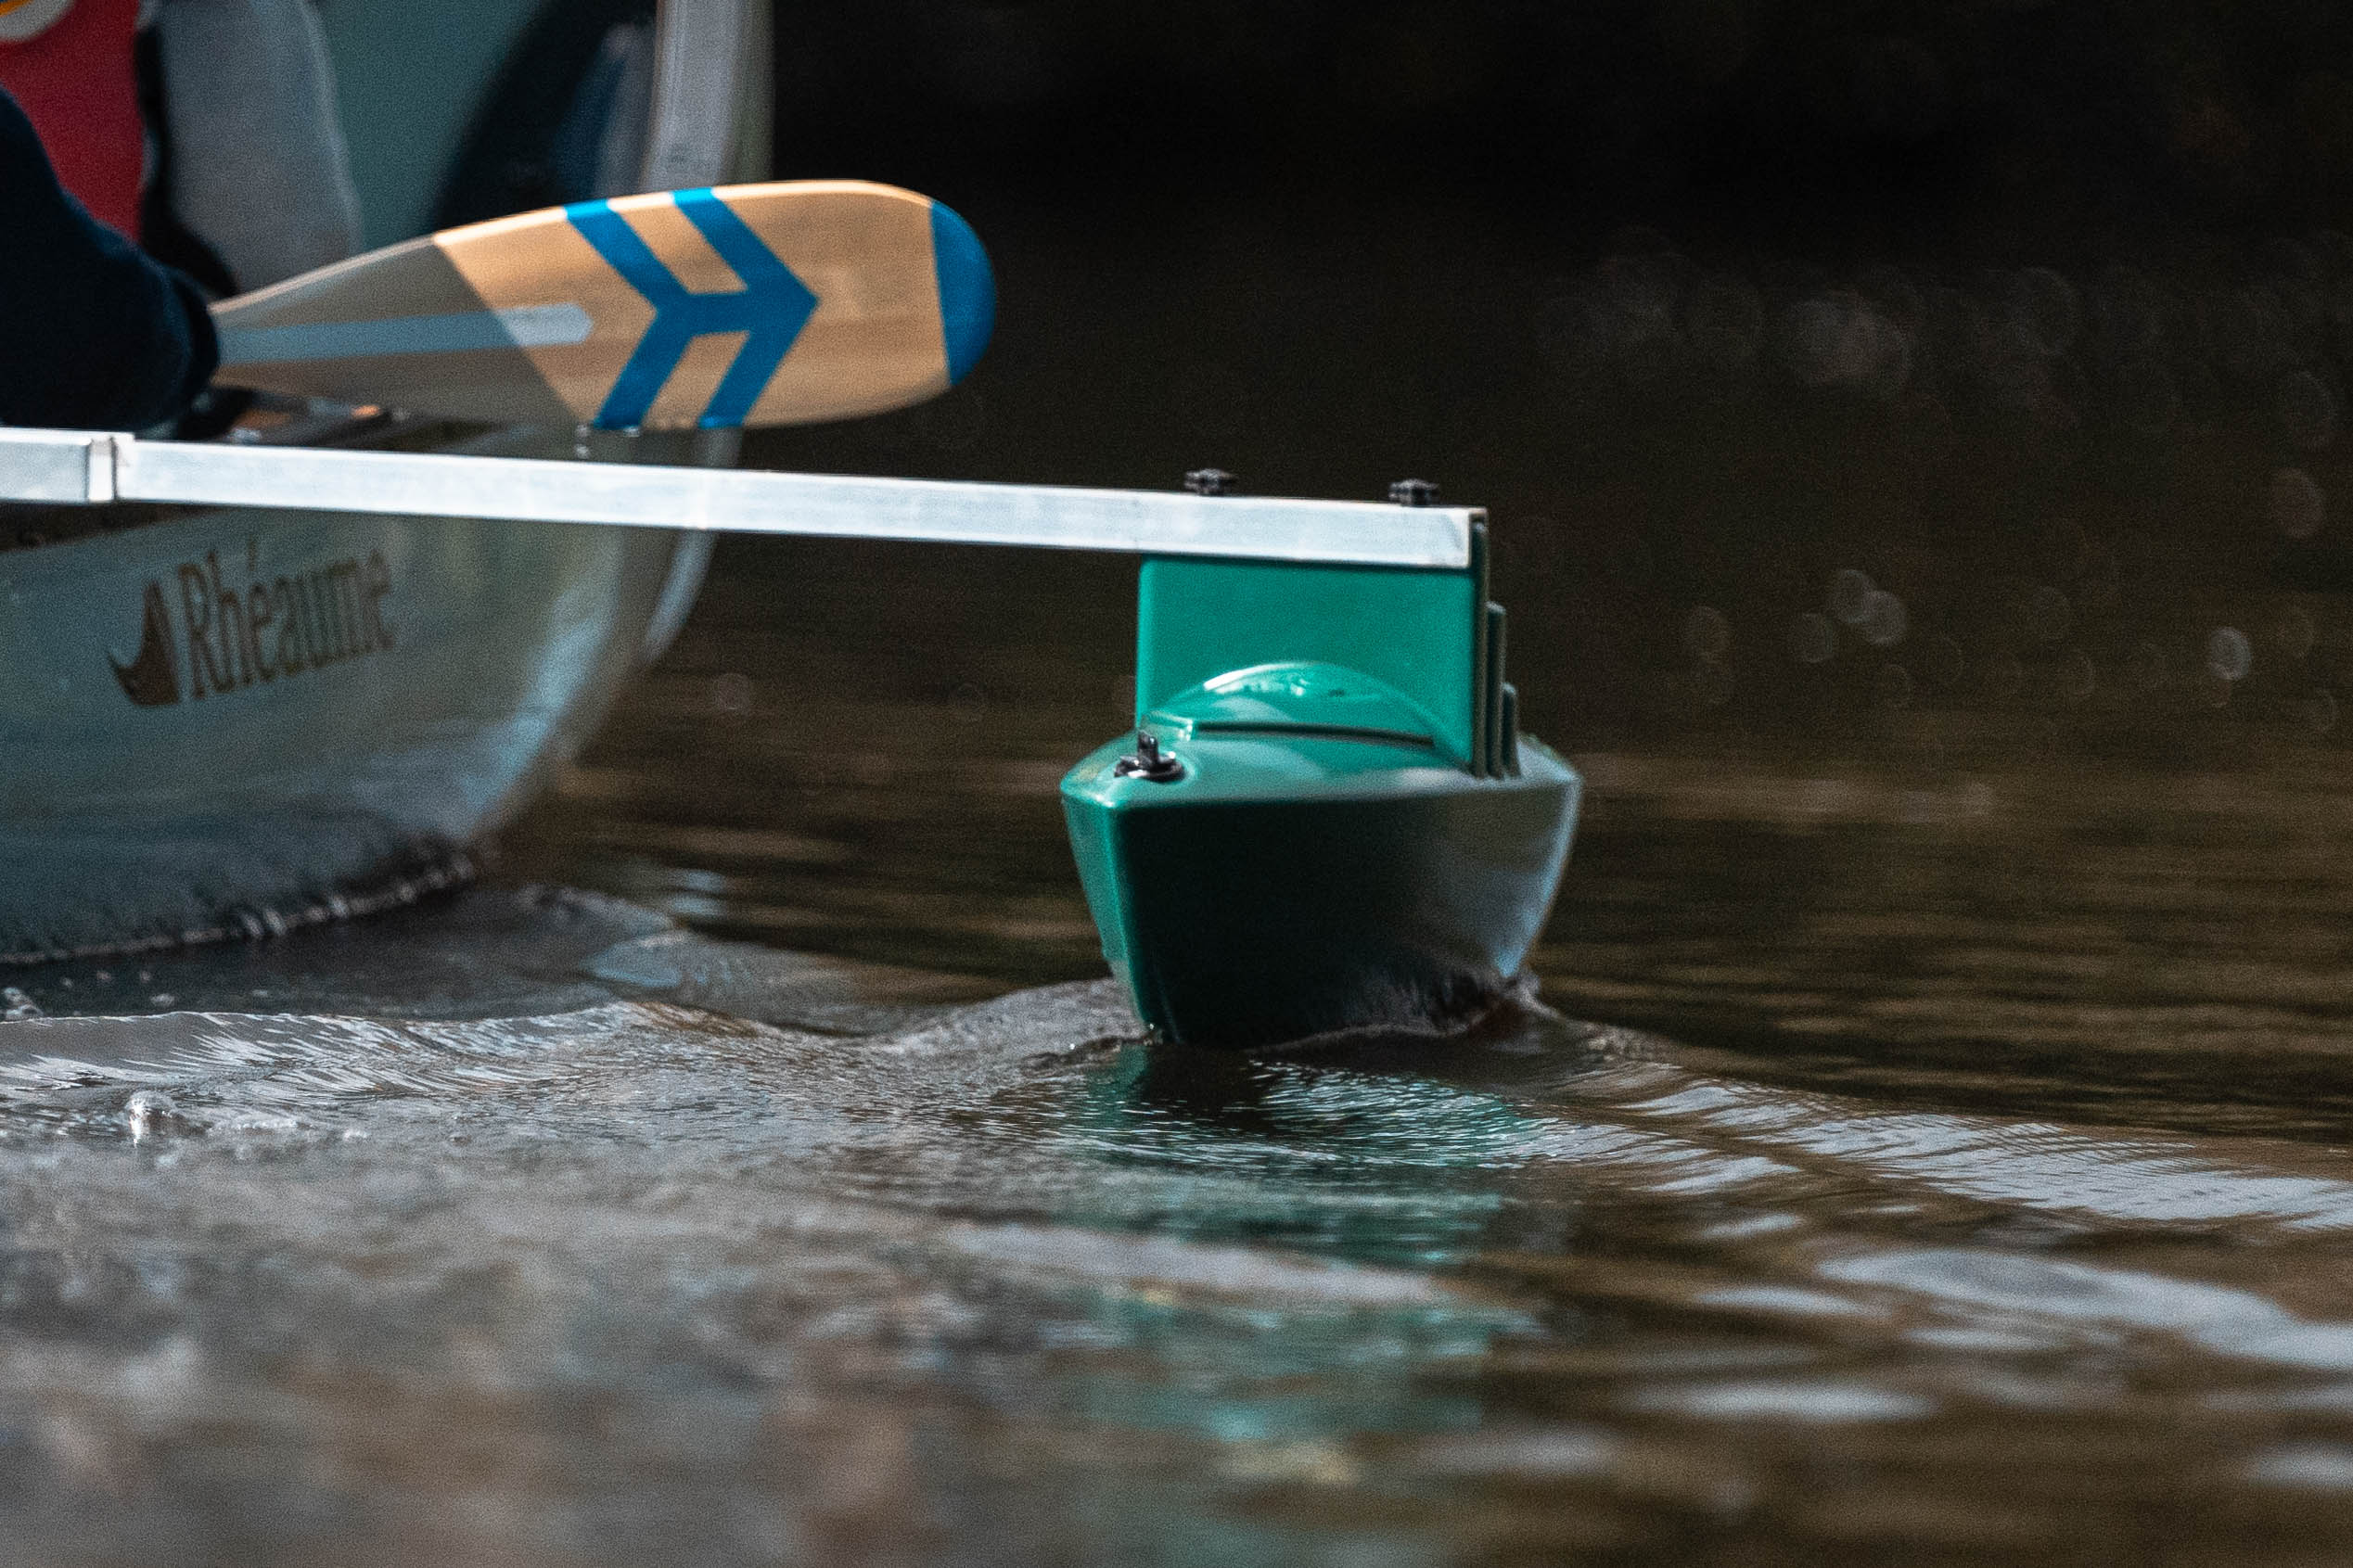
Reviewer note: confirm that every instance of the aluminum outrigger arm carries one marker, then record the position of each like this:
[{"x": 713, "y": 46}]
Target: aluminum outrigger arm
[{"x": 87, "y": 468}]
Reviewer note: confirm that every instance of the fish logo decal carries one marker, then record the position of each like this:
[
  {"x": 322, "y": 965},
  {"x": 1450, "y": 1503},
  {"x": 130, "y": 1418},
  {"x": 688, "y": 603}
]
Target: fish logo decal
[
  {"x": 152, "y": 679},
  {"x": 262, "y": 630}
]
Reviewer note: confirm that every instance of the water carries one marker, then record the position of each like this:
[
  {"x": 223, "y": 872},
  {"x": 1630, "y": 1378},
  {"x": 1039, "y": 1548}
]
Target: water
[{"x": 1931, "y": 1148}]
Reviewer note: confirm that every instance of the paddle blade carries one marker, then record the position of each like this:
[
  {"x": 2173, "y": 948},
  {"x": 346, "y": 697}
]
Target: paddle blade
[{"x": 771, "y": 304}]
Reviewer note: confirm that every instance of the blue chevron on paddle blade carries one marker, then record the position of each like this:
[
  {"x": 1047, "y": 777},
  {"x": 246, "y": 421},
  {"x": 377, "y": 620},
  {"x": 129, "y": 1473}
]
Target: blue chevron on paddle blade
[
  {"x": 770, "y": 309},
  {"x": 968, "y": 290}
]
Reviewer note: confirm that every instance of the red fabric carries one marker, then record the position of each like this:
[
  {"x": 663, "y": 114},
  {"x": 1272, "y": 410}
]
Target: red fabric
[{"x": 79, "y": 86}]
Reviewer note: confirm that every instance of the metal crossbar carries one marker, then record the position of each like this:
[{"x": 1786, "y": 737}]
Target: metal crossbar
[{"x": 82, "y": 467}]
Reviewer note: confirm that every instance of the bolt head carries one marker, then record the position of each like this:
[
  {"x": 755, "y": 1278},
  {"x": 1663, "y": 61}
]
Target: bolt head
[{"x": 1148, "y": 762}]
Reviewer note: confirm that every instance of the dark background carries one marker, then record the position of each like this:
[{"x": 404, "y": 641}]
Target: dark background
[
  {"x": 1964, "y": 134},
  {"x": 1706, "y": 300}
]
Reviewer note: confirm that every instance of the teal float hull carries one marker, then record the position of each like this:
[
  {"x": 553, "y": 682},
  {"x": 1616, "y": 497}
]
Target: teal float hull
[{"x": 1292, "y": 884}]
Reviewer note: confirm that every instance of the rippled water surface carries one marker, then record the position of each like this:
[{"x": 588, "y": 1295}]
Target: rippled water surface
[{"x": 1951, "y": 1164}]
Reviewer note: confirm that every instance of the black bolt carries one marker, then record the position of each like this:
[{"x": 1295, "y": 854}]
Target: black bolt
[
  {"x": 1149, "y": 762},
  {"x": 1210, "y": 481},
  {"x": 1413, "y": 492}
]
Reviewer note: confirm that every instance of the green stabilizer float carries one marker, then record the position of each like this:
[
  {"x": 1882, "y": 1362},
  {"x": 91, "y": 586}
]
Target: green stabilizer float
[{"x": 1326, "y": 818}]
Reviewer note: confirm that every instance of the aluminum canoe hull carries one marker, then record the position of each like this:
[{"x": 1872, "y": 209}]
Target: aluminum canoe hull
[{"x": 231, "y": 722}]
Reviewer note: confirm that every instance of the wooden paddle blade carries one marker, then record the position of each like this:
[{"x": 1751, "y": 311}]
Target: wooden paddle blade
[{"x": 771, "y": 304}]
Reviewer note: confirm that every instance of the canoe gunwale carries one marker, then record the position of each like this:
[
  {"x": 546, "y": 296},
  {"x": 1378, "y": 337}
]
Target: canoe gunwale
[{"x": 299, "y": 422}]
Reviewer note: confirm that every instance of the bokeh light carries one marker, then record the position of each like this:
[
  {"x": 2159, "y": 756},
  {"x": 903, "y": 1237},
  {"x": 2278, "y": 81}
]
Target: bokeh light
[{"x": 2229, "y": 655}]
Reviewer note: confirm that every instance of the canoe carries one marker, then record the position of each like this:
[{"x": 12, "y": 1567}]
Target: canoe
[
  {"x": 220, "y": 721},
  {"x": 235, "y": 722}
]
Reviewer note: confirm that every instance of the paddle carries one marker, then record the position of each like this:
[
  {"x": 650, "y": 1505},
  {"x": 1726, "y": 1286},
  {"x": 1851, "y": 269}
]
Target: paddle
[{"x": 773, "y": 304}]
